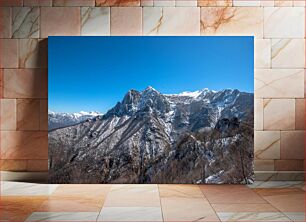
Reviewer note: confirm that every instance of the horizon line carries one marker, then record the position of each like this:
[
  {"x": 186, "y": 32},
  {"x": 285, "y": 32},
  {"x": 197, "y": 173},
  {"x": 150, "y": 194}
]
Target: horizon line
[{"x": 148, "y": 87}]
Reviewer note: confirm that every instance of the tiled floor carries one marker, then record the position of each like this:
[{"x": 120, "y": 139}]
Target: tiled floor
[{"x": 262, "y": 201}]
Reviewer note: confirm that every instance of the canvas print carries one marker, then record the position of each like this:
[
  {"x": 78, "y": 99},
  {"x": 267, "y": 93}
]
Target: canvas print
[{"x": 151, "y": 110}]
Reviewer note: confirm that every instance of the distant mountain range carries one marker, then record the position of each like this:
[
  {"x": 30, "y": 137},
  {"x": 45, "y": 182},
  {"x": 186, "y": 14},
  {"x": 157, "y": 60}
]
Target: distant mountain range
[
  {"x": 60, "y": 120},
  {"x": 192, "y": 137}
]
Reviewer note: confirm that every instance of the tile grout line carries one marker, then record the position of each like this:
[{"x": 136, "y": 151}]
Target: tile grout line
[
  {"x": 209, "y": 202},
  {"x": 278, "y": 210},
  {"x": 161, "y": 208},
  {"x": 267, "y": 202},
  {"x": 104, "y": 202}
]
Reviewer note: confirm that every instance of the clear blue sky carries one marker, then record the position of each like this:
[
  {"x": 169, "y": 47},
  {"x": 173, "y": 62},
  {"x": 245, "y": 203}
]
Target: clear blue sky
[{"x": 94, "y": 73}]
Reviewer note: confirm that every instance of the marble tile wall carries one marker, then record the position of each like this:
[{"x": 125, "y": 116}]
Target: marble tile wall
[{"x": 277, "y": 25}]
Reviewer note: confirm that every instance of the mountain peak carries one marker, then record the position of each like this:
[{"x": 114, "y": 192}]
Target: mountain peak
[
  {"x": 150, "y": 88},
  {"x": 194, "y": 94}
]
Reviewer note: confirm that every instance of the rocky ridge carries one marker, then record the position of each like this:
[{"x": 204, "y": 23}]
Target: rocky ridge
[{"x": 193, "y": 137}]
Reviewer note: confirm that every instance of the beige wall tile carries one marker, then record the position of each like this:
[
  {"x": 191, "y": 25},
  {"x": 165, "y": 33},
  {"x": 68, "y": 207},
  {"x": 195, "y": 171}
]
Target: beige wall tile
[
  {"x": 13, "y": 165},
  {"x": 300, "y": 114},
  {"x": 279, "y": 83},
  {"x": 117, "y": 2},
  {"x": 4, "y": 3},
  {"x": 279, "y": 114},
  {"x": 288, "y": 53},
  {"x": 33, "y": 53},
  {"x": 8, "y": 53},
  {"x": 305, "y": 82},
  {"x": 232, "y": 21},
  {"x": 51, "y": 17},
  {"x": 267, "y": 145},
  {"x": 95, "y": 21},
  {"x": 278, "y": 22},
  {"x": 263, "y": 165},
  {"x": 25, "y": 83},
  {"x": 292, "y": 144},
  {"x": 283, "y": 3},
  {"x": 266, "y": 3},
  {"x": 25, "y": 22},
  {"x": 212, "y": 3},
  {"x": 246, "y": 3},
  {"x": 163, "y": 3},
  {"x": 262, "y": 50},
  {"x": 5, "y": 22},
  {"x": 289, "y": 165},
  {"x": 37, "y": 2},
  {"x": 37, "y": 165},
  {"x": 24, "y": 145},
  {"x": 1, "y": 83},
  {"x": 126, "y": 21},
  {"x": 43, "y": 125},
  {"x": 186, "y": 3},
  {"x": 73, "y": 2},
  {"x": 28, "y": 114},
  {"x": 171, "y": 21},
  {"x": 299, "y": 3},
  {"x": 8, "y": 114},
  {"x": 146, "y": 2},
  {"x": 258, "y": 114}
]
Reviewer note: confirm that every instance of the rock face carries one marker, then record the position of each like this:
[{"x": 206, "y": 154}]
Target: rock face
[
  {"x": 149, "y": 137},
  {"x": 60, "y": 120}
]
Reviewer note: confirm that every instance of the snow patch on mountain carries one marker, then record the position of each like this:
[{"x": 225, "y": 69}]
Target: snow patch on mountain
[
  {"x": 150, "y": 137},
  {"x": 60, "y": 119},
  {"x": 194, "y": 94}
]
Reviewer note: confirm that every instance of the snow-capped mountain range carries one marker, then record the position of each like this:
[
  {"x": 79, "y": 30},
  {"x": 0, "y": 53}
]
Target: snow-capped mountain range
[
  {"x": 149, "y": 137},
  {"x": 60, "y": 120}
]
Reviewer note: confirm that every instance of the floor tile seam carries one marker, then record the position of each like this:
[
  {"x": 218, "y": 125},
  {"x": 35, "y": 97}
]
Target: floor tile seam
[
  {"x": 184, "y": 194},
  {"x": 110, "y": 188},
  {"x": 210, "y": 204},
  {"x": 38, "y": 207},
  {"x": 64, "y": 212},
  {"x": 260, "y": 196},
  {"x": 278, "y": 210},
  {"x": 285, "y": 194},
  {"x": 160, "y": 203},
  {"x": 266, "y": 202},
  {"x": 282, "y": 214}
]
